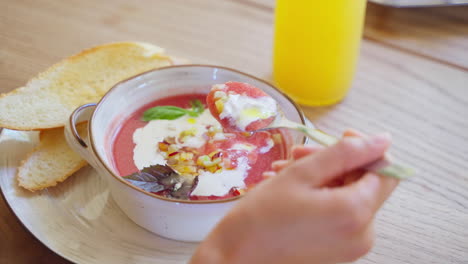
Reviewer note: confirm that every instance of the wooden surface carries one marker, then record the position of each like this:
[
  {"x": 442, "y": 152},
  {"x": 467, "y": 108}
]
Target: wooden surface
[{"x": 412, "y": 80}]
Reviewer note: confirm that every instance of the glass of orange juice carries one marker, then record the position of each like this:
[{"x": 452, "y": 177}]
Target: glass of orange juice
[{"x": 316, "y": 48}]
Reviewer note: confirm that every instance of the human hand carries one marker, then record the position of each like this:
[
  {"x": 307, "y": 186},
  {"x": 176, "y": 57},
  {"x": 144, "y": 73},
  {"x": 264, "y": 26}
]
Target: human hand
[
  {"x": 318, "y": 208},
  {"x": 300, "y": 151}
]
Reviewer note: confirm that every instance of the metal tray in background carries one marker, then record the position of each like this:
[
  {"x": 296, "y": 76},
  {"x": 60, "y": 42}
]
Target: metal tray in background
[{"x": 420, "y": 3}]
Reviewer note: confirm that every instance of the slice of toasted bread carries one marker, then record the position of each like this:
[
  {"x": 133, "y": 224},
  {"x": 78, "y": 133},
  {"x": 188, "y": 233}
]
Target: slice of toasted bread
[
  {"x": 48, "y": 99},
  {"x": 51, "y": 161}
]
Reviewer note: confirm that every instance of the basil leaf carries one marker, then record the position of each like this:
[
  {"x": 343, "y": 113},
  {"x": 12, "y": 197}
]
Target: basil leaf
[
  {"x": 192, "y": 113},
  {"x": 167, "y": 112},
  {"x": 147, "y": 186},
  {"x": 197, "y": 108},
  {"x": 170, "y": 112},
  {"x": 184, "y": 191},
  {"x": 145, "y": 181}
]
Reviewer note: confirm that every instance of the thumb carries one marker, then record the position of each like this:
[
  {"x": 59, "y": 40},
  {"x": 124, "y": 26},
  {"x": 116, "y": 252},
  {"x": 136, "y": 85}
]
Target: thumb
[{"x": 349, "y": 154}]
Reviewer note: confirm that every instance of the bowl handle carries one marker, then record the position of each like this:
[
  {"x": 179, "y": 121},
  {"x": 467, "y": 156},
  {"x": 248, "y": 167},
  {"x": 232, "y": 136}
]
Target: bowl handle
[{"x": 76, "y": 142}]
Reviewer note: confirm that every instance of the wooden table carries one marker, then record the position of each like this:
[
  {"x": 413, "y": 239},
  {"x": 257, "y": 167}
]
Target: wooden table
[{"x": 412, "y": 81}]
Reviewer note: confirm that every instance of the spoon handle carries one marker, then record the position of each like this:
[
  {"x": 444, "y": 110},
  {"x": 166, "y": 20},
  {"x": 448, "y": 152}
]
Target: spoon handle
[{"x": 383, "y": 166}]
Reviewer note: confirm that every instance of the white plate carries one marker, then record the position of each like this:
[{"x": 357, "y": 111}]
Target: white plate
[{"x": 78, "y": 219}]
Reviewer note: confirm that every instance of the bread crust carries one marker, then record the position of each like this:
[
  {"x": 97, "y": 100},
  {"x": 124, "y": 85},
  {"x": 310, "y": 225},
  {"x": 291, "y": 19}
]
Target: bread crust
[
  {"x": 20, "y": 107},
  {"x": 52, "y": 160}
]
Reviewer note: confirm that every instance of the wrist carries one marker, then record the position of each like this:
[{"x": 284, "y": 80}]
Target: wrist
[
  {"x": 208, "y": 253},
  {"x": 225, "y": 243}
]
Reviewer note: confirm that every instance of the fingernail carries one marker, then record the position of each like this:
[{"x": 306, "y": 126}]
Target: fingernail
[
  {"x": 294, "y": 147},
  {"x": 269, "y": 174},
  {"x": 278, "y": 162},
  {"x": 381, "y": 139}
]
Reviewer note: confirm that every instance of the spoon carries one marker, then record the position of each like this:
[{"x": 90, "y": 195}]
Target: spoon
[
  {"x": 272, "y": 117},
  {"x": 383, "y": 166}
]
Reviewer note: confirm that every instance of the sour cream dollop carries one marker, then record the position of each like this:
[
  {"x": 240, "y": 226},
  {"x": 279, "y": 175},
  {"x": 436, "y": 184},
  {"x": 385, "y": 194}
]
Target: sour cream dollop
[
  {"x": 146, "y": 138},
  {"x": 200, "y": 132},
  {"x": 241, "y": 106}
]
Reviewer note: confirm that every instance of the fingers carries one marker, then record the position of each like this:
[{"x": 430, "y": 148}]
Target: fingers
[
  {"x": 352, "y": 176},
  {"x": 299, "y": 152},
  {"x": 371, "y": 190},
  {"x": 355, "y": 175},
  {"x": 387, "y": 185},
  {"x": 347, "y": 155},
  {"x": 269, "y": 174},
  {"x": 280, "y": 164},
  {"x": 353, "y": 133}
]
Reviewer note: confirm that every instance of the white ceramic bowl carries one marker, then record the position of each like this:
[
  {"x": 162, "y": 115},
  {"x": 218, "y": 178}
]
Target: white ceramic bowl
[{"x": 176, "y": 219}]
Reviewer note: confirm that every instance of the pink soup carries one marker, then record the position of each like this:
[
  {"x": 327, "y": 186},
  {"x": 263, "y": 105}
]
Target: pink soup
[{"x": 219, "y": 153}]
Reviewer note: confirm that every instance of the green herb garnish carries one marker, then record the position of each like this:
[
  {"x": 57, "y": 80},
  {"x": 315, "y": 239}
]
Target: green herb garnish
[
  {"x": 169, "y": 112},
  {"x": 197, "y": 108}
]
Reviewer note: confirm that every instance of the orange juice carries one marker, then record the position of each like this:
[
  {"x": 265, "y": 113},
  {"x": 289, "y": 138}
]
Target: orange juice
[{"x": 316, "y": 48}]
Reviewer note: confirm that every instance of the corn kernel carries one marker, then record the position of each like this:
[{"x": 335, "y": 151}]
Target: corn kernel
[
  {"x": 219, "y": 106},
  {"x": 189, "y": 156},
  {"x": 188, "y": 132},
  {"x": 172, "y": 148},
  {"x": 212, "y": 169},
  {"x": 202, "y": 159},
  {"x": 163, "y": 146},
  {"x": 187, "y": 169},
  {"x": 246, "y": 134}
]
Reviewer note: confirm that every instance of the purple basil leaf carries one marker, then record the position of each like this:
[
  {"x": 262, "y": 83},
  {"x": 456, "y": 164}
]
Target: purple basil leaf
[
  {"x": 184, "y": 191},
  {"x": 147, "y": 186},
  {"x": 158, "y": 178}
]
